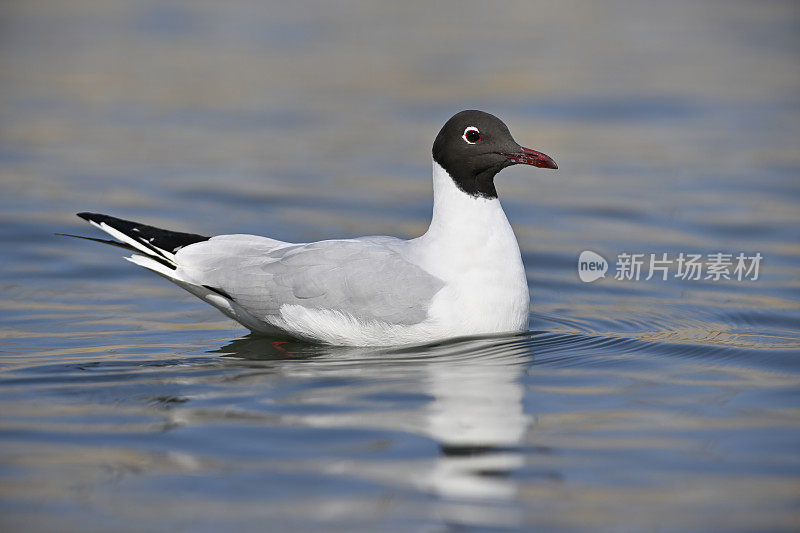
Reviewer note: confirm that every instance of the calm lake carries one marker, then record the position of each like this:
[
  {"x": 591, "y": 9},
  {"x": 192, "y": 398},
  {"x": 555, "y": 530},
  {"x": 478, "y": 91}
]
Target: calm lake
[{"x": 673, "y": 404}]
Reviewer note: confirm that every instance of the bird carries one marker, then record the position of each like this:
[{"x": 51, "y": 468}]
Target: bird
[{"x": 463, "y": 277}]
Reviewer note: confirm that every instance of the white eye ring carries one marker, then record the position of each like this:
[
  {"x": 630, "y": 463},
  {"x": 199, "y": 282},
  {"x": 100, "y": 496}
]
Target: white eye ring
[{"x": 470, "y": 129}]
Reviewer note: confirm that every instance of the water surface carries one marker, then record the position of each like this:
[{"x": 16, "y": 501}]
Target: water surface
[{"x": 128, "y": 405}]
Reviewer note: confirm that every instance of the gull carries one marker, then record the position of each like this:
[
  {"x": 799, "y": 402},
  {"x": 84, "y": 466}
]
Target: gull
[{"x": 463, "y": 277}]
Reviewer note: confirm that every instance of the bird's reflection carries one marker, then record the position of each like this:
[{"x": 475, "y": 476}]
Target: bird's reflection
[
  {"x": 475, "y": 413},
  {"x": 477, "y": 417}
]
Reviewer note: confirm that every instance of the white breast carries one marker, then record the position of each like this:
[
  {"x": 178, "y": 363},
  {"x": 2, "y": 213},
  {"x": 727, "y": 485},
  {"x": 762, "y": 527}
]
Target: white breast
[{"x": 470, "y": 246}]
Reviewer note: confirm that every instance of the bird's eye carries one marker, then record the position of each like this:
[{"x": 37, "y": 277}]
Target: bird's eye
[{"x": 471, "y": 135}]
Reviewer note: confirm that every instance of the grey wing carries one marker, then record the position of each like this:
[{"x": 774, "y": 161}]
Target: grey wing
[{"x": 368, "y": 278}]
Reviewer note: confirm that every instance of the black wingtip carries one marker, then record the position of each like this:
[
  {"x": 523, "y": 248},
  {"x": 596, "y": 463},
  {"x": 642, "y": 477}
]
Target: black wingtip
[
  {"x": 155, "y": 239},
  {"x": 86, "y": 216}
]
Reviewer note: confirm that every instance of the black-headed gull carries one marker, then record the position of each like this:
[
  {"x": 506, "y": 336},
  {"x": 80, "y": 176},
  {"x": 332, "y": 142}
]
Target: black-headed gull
[{"x": 463, "y": 277}]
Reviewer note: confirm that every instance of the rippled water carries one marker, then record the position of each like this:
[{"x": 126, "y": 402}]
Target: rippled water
[{"x": 630, "y": 405}]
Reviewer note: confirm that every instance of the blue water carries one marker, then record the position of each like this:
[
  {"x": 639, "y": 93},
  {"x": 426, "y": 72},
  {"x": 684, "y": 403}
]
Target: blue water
[{"x": 649, "y": 405}]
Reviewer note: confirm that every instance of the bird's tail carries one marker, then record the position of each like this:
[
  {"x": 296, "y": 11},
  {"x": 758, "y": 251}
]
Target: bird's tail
[{"x": 154, "y": 248}]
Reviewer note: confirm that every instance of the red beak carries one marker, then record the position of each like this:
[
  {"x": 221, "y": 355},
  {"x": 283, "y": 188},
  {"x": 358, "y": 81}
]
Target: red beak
[{"x": 532, "y": 157}]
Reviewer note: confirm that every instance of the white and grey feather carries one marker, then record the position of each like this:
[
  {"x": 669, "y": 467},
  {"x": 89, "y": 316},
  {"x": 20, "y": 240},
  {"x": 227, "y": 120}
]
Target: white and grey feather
[{"x": 463, "y": 277}]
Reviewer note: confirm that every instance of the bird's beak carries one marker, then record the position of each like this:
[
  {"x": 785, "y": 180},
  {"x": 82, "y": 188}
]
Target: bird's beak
[{"x": 526, "y": 156}]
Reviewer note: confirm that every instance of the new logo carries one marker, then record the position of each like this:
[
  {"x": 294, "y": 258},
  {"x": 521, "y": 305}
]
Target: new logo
[{"x": 591, "y": 266}]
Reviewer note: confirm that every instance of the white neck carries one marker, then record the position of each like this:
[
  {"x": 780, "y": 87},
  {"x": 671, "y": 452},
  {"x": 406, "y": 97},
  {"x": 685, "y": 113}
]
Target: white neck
[
  {"x": 466, "y": 232},
  {"x": 464, "y": 220},
  {"x": 471, "y": 247}
]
